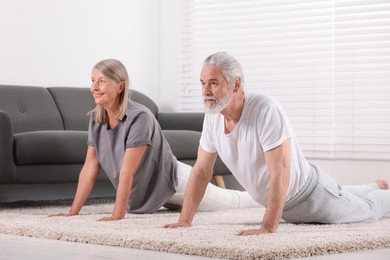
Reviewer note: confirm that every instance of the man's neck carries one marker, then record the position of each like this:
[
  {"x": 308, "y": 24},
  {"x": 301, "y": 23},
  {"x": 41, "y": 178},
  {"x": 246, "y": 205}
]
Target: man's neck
[{"x": 232, "y": 113}]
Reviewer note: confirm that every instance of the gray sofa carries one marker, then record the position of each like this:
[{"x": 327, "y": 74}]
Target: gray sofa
[{"x": 43, "y": 135}]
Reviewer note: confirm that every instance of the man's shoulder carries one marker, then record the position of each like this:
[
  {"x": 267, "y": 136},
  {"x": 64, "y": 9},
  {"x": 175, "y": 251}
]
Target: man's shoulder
[{"x": 259, "y": 100}]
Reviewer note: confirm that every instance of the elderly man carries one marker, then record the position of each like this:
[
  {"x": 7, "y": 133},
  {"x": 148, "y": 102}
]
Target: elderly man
[{"x": 254, "y": 138}]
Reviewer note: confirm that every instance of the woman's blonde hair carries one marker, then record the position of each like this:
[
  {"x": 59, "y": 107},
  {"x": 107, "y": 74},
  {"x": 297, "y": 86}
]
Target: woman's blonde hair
[{"x": 116, "y": 71}]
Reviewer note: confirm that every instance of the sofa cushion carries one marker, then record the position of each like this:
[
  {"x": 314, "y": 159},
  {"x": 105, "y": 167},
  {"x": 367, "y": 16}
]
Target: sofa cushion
[
  {"x": 73, "y": 105},
  {"x": 184, "y": 143},
  {"x": 181, "y": 121},
  {"x": 30, "y": 108},
  {"x": 49, "y": 147}
]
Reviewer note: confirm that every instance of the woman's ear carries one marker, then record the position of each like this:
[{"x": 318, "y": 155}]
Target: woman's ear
[{"x": 121, "y": 86}]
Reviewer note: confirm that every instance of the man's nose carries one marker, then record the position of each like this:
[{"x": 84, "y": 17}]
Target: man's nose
[{"x": 206, "y": 89}]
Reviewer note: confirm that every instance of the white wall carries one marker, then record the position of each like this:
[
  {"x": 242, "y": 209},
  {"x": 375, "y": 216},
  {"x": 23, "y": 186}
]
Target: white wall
[
  {"x": 56, "y": 43},
  {"x": 355, "y": 172},
  {"x": 170, "y": 54}
]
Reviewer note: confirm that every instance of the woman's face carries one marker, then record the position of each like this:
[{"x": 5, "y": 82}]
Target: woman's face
[{"x": 105, "y": 91}]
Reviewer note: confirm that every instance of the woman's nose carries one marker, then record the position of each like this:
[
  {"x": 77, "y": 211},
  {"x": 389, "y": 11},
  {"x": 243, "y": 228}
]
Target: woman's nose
[{"x": 94, "y": 86}]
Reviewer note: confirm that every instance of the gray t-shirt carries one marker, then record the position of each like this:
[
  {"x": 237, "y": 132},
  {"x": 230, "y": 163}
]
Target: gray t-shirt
[{"x": 155, "y": 180}]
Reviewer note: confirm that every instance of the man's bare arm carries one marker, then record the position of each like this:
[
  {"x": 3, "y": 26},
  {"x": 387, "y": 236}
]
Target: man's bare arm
[
  {"x": 200, "y": 176},
  {"x": 278, "y": 163}
]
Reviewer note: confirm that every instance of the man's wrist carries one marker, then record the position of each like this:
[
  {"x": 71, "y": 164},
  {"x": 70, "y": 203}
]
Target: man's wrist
[
  {"x": 184, "y": 221},
  {"x": 73, "y": 213},
  {"x": 117, "y": 216},
  {"x": 268, "y": 228}
]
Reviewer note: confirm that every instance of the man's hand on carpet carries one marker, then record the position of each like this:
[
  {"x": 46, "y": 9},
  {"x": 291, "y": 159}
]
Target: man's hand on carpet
[
  {"x": 62, "y": 215},
  {"x": 177, "y": 225},
  {"x": 252, "y": 232},
  {"x": 112, "y": 218}
]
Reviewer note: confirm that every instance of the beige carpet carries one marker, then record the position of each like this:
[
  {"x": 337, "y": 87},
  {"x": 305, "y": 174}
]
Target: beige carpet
[{"x": 213, "y": 233}]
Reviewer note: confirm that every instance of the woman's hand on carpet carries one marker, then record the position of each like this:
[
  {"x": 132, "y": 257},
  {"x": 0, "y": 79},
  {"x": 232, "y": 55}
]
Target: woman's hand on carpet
[
  {"x": 177, "y": 225},
  {"x": 62, "y": 215},
  {"x": 252, "y": 232}
]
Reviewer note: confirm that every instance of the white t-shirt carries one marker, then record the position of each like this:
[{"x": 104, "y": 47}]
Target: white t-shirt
[{"x": 263, "y": 126}]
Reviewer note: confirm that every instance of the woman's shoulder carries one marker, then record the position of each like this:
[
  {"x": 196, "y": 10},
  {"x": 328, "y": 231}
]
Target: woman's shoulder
[
  {"x": 136, "y": 110},
  {"x": 135, "y": 107}
]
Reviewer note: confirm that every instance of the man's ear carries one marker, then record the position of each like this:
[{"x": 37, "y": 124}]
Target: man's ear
[{"x": 237, "y": 84}]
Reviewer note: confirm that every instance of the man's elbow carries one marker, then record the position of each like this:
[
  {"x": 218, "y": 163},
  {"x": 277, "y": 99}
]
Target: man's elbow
[{"x": 201, "y": 174}]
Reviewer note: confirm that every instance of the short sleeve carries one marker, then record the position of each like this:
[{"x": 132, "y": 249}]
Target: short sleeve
[
  {"x": 140, "y": 130},
  {"x": 274, "y": 128},
  {"x": 91, "y": 135},
  {"x": 206, "y": 139}
]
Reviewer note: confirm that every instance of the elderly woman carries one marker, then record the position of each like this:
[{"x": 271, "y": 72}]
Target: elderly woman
[{"x": 125, "y": 139}]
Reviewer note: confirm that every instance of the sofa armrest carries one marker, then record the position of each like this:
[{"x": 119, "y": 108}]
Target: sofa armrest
[
  {"x": 7, "y": 164},
  {"x": 181, "y": 121}
]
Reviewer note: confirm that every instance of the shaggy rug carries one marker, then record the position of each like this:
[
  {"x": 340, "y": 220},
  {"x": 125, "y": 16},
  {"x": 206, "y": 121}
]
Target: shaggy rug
[{"x": 213, "y": 234}]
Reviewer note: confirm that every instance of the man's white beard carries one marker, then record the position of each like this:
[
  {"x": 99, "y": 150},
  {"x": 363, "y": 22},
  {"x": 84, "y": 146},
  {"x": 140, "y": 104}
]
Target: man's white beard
[{"x": 220, "y": 104}]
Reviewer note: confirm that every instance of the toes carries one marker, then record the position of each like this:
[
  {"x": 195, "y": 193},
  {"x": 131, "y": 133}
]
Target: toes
[{"x": 383, "y": 184}]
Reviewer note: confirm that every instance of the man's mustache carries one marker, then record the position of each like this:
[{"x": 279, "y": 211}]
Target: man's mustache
[{"x": 209, "y": 98}]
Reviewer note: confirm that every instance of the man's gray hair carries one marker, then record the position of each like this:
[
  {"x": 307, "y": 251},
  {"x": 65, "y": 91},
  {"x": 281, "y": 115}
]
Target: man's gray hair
[{"x": 231, "y": 68}]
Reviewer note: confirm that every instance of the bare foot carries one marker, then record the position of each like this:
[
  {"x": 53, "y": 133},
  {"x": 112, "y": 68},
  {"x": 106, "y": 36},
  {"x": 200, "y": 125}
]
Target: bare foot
[{"x": 382, "y": 184}]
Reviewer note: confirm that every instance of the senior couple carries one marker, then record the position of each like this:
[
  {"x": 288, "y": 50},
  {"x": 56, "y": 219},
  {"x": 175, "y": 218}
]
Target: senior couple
[{"x": 252, "y": 135}]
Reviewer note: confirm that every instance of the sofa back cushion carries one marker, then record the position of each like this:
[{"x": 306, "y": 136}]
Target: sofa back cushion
[
  {"x": 74, "y": 105},
  {"x": 144, "y": 100},
  {"x": 30, "y": 108},
  {"x": 54, "y": 108}
]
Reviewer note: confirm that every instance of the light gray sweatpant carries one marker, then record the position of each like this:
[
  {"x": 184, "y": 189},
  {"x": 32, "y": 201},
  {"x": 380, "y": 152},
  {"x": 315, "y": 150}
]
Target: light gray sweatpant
[{"x": 323, "y": 201}]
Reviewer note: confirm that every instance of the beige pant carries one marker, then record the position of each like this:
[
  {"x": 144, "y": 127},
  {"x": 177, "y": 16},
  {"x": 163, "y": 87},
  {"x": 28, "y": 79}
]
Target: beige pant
[{"x": 215, "y": 198}]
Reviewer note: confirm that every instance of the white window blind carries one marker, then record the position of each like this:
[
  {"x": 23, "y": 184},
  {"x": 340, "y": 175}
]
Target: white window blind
[{"x": 326, "y": 62}]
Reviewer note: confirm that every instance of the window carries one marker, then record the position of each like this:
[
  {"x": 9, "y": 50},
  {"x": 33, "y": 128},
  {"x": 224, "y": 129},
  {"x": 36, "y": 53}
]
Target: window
[{"x": 326, "y": 62}]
